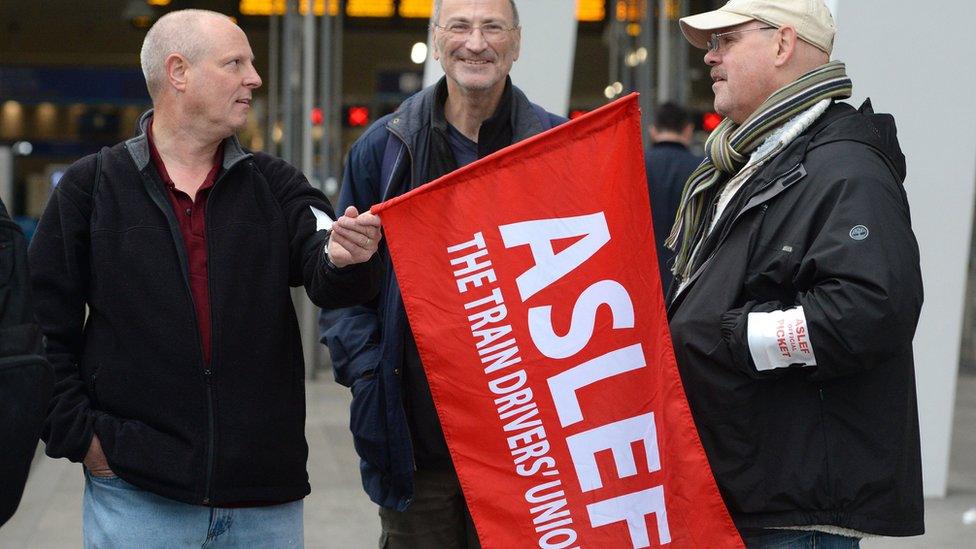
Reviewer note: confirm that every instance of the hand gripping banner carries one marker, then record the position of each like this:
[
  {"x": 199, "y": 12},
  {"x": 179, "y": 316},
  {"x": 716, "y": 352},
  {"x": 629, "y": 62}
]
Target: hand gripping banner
[{"x": 531, "y": 285}]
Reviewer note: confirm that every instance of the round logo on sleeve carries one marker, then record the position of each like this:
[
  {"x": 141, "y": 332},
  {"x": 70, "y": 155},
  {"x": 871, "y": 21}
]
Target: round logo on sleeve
[{"x": 859, "y": 232}]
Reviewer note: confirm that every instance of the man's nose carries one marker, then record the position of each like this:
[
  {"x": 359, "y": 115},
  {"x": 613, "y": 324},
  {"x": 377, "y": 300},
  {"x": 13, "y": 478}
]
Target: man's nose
[
  {"x": 712, "y": 57},
  {"x": 253, "y": 80},
  {"x": 476, "y": 41}
]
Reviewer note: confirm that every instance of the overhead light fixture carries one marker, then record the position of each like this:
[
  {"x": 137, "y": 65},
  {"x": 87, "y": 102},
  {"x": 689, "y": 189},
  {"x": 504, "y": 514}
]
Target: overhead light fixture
[
  {"x": 418, "y": 54},
  {"x": 22, "y": 148},
  {"x": 139, "y": 14}
]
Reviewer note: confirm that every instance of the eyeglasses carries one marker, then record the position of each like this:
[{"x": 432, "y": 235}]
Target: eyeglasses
[
  {"x": 490, "y": 31},
  {"x": 715, "y": 41}
]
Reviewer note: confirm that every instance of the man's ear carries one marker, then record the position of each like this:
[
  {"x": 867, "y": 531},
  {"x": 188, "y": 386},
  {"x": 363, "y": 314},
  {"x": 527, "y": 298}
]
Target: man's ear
[
  {"x": 176, "y": 68},
  {"x": 435, "y": 48},
  {"x": 785, "y": 45},
  {"x": 517, "y": 45}
]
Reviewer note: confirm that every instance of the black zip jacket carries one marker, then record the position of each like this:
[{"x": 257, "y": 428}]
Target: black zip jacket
[
  {"x": 130, "y": 368},
  {"x": 836, "y": 443}
]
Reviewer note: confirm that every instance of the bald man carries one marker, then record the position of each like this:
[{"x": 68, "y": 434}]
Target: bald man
[{"x": 162, "y": 268}]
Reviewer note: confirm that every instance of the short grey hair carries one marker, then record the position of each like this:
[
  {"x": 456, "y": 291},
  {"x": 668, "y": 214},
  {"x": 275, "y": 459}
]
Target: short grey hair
[
  {"x": 437, "y": 12},
  {"x": 176, "y": 32}
]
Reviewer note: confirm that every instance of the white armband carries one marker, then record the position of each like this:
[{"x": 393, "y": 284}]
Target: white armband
[{"x": 779, "y": 339}]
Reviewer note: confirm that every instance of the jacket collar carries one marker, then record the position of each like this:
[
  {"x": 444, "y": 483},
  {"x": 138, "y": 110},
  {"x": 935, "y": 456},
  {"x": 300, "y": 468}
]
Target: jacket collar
[
  {"x": 138, "y": 147},
  {"x": 414, "y": 116},
  {"x": 495, "y": 132},
  {"x": 669, "y": 145},
  {"x": 838, "y": 123}
]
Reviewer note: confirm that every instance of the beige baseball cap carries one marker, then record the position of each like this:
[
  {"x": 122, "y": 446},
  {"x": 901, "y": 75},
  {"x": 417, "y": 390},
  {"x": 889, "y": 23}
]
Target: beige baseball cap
[{"x": 810, "y": 18}]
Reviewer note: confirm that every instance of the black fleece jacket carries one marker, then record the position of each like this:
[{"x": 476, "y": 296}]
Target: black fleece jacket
[{"x": 109, "y": 272}]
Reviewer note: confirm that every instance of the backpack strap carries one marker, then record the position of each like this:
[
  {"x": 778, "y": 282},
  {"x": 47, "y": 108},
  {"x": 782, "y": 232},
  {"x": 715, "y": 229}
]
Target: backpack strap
[{"x": 94, "y": 188}]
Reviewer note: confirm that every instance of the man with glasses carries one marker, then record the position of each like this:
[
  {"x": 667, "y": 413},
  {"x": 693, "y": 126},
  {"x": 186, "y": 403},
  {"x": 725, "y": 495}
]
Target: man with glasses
[
  {"x": 797, "y": 289},
  {"x": 472, "y": 112}
]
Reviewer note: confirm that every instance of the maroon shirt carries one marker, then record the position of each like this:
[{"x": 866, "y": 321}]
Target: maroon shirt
[{"x": 190, "y": 214}]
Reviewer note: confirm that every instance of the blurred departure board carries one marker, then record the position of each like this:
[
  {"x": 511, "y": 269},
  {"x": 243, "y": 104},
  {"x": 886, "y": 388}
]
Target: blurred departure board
[
  {"x": 277, "y": 7},
  {"x": 590, "y": 10},
  {"x": 369, "y": 8},
  {"x": 416, "y": 8},
  {"x": 586, "y": 10}
]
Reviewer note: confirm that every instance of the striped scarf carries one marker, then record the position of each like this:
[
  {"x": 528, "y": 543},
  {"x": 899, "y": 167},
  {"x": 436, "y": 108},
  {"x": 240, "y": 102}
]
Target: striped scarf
[{"x": 729, "y": 146}]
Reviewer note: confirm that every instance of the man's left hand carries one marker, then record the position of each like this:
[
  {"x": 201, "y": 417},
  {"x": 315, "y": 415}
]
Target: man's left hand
[{"x": 355, "y": 238}]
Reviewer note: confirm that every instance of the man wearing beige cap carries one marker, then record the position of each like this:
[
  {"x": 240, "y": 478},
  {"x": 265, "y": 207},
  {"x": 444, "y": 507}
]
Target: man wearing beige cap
[{"x": 797, "y": 289}]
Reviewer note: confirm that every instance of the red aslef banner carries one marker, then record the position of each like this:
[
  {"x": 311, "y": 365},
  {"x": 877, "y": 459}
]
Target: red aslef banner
[{"x": 531, "y": 285}]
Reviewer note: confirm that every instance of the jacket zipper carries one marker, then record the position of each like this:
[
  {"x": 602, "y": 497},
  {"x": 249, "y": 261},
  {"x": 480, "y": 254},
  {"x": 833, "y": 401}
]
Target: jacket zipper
[
  {"x": 764, "y": 203},
  {"x": 210, "y": 436},
  {"x": 163, "y": 203},
  {"x": 396, "y": 164},
  {"x": 397, "y": 371},
  {"x": 208, "y": 368}
]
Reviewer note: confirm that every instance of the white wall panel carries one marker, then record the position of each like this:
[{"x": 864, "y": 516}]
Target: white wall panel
[{"x": 914, "y": 60}]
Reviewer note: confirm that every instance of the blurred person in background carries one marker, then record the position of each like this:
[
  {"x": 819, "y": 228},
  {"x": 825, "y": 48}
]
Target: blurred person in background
[
  {"x": 669, "y": 163},
  {"x": 26, "y": 379},
  {"x": 161, "y": 268}
]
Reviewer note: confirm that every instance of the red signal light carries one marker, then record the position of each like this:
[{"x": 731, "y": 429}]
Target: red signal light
[
  {"x": 358, "y": 116},
  {"x": 710, "y": 121},
  {"x": 317, "y": 116}
]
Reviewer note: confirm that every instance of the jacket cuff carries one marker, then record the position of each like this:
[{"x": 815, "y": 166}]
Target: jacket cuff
[
  {"x": 326, "y": 259},
  {"x": 735, "y": 333},
  {"x": 74, "y": 443},
  {"x": 733, "y": 327},
  {"x": 353, "y": 284}
]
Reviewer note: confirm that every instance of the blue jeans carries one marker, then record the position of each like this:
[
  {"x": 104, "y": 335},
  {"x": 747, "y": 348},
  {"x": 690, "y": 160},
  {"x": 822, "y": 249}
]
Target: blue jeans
[
  {"x": 118, "y": 514},
  {"x": 797, "y": 539}
]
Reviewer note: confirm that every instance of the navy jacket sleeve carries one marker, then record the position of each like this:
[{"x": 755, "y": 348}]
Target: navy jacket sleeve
[
  {"x": 59, "y": 264},
  {"x": 353, "y": 334}
]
